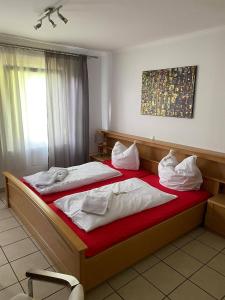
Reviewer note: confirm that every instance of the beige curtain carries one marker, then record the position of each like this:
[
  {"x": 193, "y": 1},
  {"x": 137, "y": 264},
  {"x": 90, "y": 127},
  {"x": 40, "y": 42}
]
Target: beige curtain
[
  {"x": 23, "y": 119},
  {"x": 68, "y": 109}
]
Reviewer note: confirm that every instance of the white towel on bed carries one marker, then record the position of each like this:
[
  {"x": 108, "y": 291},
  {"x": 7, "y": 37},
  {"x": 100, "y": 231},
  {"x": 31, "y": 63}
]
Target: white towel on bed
[
  {"x": 129, "y": 197},
  {"x": 77, "y": 176},
  {"x": 47, "y": 178},
  {"x": 97, "y": 202}
]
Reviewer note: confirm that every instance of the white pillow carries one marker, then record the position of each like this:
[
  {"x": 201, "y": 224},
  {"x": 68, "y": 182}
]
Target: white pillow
[
  {"x": 184, "y": 176},
  {"x": 125, "y": 158},
  {"x": 169, "y": 160}
]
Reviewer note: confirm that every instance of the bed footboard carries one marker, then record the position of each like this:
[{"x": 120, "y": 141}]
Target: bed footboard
[{"x": 63, "y": 247}]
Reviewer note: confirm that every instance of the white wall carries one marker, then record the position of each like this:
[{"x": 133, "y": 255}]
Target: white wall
[
  {"x": 207, "y": 128},
  {"x": 100, "y": 81}
]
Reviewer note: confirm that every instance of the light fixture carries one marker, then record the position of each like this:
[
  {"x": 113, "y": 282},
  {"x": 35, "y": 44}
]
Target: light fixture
[
  {"x": 51, "y": 21},
  {"x": 47, "y": 14},
  {"x": 65, "y": 20},
  {"x": 38, "y": 25}
]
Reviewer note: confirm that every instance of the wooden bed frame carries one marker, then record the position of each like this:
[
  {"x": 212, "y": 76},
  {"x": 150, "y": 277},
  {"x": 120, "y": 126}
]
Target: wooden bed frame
[{"x": 67, "y": 251}]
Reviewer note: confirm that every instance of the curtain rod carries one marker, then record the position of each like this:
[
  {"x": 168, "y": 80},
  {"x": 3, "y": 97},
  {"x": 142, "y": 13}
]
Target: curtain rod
[{"x": 45, "y": 50}]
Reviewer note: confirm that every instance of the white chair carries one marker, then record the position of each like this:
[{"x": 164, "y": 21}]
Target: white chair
[{"x": 77, "y": 292}]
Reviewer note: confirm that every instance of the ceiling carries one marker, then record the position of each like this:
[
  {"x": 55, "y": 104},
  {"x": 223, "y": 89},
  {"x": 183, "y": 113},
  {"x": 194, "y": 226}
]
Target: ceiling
[{"x": 111, "y": 24}]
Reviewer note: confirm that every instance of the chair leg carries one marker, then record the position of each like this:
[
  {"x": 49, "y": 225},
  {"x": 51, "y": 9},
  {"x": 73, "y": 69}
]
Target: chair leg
[{"x": 30, "y": 288}]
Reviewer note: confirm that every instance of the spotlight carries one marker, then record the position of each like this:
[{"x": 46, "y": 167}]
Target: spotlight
[
  {"x": 47, "y": 14},
  {"x": 38, "y": 25},
  {"x": 51, "y": 21},
  {"x": 65, "y": 20}
]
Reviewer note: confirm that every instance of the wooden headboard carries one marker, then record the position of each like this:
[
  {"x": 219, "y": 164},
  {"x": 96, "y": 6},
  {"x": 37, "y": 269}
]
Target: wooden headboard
[{"x": 211, "y": 163}]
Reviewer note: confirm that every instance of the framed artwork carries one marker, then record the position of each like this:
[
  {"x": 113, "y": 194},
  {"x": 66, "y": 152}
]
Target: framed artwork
[{"x": 169, "y": 92}]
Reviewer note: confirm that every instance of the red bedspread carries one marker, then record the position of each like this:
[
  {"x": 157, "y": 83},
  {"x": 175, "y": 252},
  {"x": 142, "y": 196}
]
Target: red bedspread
[
  {"x": 108, "y": 235},
  {"x": 126, "y": 175}
]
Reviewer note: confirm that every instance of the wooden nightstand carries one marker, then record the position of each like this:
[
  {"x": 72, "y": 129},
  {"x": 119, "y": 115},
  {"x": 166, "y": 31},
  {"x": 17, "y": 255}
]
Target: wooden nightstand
[
  {"x": 98, "y": 157},
  {"x": 215, "y": 215}
]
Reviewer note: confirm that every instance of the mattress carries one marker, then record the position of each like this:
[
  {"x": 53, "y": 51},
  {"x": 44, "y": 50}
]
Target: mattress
[
  {"x": 126, "y": 174},
  {"x": 108, "y": 235}
]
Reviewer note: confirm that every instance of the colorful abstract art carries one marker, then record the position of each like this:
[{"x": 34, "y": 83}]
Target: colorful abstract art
[{"x": 169, "y": 92}]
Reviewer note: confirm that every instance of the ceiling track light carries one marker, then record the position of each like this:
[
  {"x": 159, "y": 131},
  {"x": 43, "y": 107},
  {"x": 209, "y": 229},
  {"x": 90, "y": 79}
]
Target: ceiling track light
[
  {"x": 65, "y": 20},
  {"x": 38, "y": 25},
  {"x": 51, "y": 21},
  {"x": 47, "y": 14}
]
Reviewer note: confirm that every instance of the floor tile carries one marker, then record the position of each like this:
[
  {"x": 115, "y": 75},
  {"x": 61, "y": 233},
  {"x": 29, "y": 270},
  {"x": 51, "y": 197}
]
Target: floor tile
[
  {"x": 197, "y": 232},
  {"x": 213, "y": 240},
  {"x": 210, "y": 281},
  {"x": 7, "y": 277},
  {"x": 146, "y": 263},
  {"x": 55, "y": 269},
  {"x": 199, "y": 251},
  {"x": 35, "y": 260},
  {"x": 60, "y": 295},
  {"x": 122, "y": 278},
  {"x": 47, "y": 258},
  {"x": 113, "y": 297},
  {"x": 3, "y": 196},
  {"x": 140, "y": 288},
  {"x": 19, "y": 249},
  {"x": 218, "y": 263},
  {"x": 36, "y": 243},
  {"x": 183, "y": 240},
  {"x": 5, "y": 213},
  {"x": 100, "y": 292},
  {"x": 189, "y": 291},
  {"x": 42, "y": 289},
  {"x": 2, "y": 205},
  {"x": 3, "y": 259},
  {"x": 8, "y": 223},
  {"x": 12, "y": 236},
  {"x": 16, "y": 217},
  {"x": 10, "y": 291},
  {"x": 165, "y": 251},
  {"x": 183, "y": 263},
  {"x": 164, "y": 277},
  {"x": 26, "y": 230}
]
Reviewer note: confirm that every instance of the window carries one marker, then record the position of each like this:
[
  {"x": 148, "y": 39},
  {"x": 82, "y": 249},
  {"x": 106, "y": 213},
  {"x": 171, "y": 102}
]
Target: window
[{"x": 23, "y": 122}]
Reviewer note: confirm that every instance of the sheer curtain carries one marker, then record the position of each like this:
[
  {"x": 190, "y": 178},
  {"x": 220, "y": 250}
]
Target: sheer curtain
[
  {"x": 68, "y": 109},
  {"x": 23, "y": 121}
]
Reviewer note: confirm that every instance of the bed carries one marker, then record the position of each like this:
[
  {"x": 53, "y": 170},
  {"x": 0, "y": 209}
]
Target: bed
[
  {"x": 71, "y": 253},
  {"x": 106, "y": 236}
]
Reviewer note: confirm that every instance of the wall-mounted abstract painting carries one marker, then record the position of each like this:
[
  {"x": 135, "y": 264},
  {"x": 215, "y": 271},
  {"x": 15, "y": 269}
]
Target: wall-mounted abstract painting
[{"x": 169, "y": 92}]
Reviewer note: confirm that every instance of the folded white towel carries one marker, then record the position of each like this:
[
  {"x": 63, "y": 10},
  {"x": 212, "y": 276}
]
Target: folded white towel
[
  {"x": 77, "y": 176},
  {"x": 47, "y": 178},
  {"x": 54, "y": 174},
  {"x": 60, "y": 173},
  {"x": 129, "y": 197},
  {"x": 97, "y": 203}
]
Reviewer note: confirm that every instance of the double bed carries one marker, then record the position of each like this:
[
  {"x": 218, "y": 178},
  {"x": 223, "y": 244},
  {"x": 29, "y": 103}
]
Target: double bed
[{"x": 99, "y": 254}]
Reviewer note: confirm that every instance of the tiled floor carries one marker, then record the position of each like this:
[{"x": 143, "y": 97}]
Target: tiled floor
[{"x": 191, "y": 268}]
